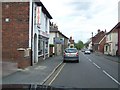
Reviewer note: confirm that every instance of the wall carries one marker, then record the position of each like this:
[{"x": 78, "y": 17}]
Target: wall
[
  {"x": 66, "y": 43},
  {"x": 102, "y": 43},
  {"x": 51, "y": 38},
  {"x": 115, "y": 42},
  {"x": 15, "y": 33},
  {"x": 112, "y": 39}
]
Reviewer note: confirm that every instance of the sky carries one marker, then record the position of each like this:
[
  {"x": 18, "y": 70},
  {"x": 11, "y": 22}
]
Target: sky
[{"x": 79, "y": 18}]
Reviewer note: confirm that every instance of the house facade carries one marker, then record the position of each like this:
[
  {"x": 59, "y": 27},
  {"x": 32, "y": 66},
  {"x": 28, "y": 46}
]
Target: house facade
[
  {"x": 89, "y": 44},
  {"x": 111, "y": 45},
  {"x": 25, "y": 32},
  {"x": 98, "y": 41},
  {"x": 58, "y": 40}
]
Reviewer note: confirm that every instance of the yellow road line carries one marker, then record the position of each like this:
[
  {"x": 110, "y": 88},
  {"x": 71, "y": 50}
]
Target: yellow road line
[{"x": 57, "y": 74}]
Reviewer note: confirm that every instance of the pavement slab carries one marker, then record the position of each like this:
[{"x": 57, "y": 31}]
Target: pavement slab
[{"x": 33, "y": 74}]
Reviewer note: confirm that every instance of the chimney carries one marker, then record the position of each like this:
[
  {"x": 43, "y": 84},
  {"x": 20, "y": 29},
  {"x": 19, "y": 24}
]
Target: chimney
[
  {"x": 98, "y": 30},
  {"x": 70, "y": 38}
]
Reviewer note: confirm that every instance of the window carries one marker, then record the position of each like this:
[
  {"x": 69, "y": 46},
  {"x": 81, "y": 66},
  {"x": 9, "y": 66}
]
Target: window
[
  {"x": 46, "y": 46},
  {"x": 106, "y": 48},
  {"x": 40, "y": 46},
  {"x": 110, "y": 37}
]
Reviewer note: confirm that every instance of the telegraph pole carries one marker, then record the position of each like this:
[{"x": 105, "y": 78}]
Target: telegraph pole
[{"x": 92, "y": 41}]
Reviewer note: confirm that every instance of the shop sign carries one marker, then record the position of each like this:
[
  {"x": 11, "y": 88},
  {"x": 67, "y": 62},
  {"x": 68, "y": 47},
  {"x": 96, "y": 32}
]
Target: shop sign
[
  {"x": 42, "y": 33},
  {"x": 58, "y": 40},
  {"x": 38, "y": 15}
]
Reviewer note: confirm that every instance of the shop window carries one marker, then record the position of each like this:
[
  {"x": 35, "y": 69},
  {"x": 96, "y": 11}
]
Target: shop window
[
  {"x": 46, "y": 46},
  {"x": 40, "y": 46},
  {"x": 106, "y": 48}
]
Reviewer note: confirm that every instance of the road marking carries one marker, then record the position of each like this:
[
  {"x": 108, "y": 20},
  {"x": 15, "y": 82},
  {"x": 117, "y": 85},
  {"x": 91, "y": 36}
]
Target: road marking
[
  {"x": 96, "y": 65},
  {"x": 111, "y": 77},
  {"x": 50, "y": 74},
  {"x": 90, "y": 60},
  {"x": 57, "y": 74}
]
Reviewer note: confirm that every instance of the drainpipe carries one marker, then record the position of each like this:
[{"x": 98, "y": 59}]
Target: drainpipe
[
  {"x": 31, "y": 29},
  {"x": 56, "y": 44}
]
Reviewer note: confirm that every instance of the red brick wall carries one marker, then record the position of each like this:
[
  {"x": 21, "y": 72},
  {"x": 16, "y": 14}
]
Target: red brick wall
[
  {"x": 15, "y": 34},
  {"x": 101, "y": 47}
]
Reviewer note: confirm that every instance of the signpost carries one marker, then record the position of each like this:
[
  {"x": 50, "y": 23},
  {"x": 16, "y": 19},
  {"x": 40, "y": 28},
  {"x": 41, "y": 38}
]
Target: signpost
[{"x": 58, "y": 40}]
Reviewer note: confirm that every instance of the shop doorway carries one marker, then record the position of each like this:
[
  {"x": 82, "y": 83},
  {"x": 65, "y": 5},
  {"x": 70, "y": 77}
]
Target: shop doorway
[{"x": 43, "y": 50}]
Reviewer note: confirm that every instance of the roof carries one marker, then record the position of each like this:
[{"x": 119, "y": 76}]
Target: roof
[
  {"x": 115, "y": 28},
  {"x": 39, "y": 3},
  {"x": 57, "y": 31},
  {"x": 98, "y": 37},
  {"x": 118, "y": 25}
]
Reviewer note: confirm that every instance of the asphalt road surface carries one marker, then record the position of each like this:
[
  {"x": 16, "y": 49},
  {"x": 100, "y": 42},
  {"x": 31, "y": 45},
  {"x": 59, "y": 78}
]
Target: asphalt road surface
[{"x": 93, "y": 71}]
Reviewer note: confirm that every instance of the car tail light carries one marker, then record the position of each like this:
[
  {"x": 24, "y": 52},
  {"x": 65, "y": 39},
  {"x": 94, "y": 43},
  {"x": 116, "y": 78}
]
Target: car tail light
[
  {"x": 77, "y": 54},
  {"x": 64, "y": 54}
]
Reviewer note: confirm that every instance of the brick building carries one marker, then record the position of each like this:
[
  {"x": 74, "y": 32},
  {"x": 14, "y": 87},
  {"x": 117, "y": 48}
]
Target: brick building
[
  {"x": 25, "y": 32},
  {"x": 58, "y": 40},
  {"x": 98, "y": 41}
]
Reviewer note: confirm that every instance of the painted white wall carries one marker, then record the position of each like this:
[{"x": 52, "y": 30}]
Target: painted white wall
[
  {"x": 90, "y": 45},
  {"x": 43, "y": 27},
  {"x": 35, "y": 31},
  {"x": 115, "y": 41},
  {"x": 112, "y": 39},
  {"x": 51, "y": 38},
  {"x": 44, "y": 22}
]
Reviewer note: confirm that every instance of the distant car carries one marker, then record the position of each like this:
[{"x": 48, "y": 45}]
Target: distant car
[
  {"x": 83, "y": 50},
  {"x": 71, "y": 54},
  {"x": 87, "y": 52}
]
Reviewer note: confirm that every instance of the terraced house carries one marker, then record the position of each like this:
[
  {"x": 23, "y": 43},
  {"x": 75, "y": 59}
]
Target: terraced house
[
  {"x": 111, "y": 45},
  {"x": 98, "y": 41},
  {"x": 25, "y": 32}
]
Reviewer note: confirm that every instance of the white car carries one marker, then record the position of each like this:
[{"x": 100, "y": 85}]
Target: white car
[{"x": 87, "y": 52}]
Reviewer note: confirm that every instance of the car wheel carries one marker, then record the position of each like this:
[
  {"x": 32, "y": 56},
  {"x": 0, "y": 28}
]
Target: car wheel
[
  {"x": 77, "y": 61},
  {"x": 63, "y": 61}
]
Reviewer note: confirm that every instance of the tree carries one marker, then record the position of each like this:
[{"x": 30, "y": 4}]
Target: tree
[{"x": 79, "y": 45}]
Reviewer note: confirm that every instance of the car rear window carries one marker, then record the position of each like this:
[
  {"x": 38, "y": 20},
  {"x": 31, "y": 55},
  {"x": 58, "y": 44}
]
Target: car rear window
[{"x": 71, "y": 50}]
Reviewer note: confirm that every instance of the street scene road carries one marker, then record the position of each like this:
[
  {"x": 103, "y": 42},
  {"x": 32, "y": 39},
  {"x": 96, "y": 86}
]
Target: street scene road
[
  {"x": 41, "y": 39},
  {"x": 93, "y": 71}
]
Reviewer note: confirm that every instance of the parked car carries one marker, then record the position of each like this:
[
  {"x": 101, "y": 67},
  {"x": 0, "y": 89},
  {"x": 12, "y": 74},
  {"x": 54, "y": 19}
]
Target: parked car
[
  {"x": 71, "y": 54},
  {"x": 87, "y": 52}
]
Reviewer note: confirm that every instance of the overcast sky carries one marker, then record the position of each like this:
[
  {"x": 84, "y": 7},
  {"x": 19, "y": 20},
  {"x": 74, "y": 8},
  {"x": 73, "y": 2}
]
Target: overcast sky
[{"x": 79, "y": 18}]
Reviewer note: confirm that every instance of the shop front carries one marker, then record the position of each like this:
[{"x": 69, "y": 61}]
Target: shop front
[{"x": 43, "y": 48}]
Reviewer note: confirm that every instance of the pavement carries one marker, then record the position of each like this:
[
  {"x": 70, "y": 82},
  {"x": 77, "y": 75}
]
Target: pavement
[
  {"x": 109, "y": 57},
  {"x": 7, "y": 68},
  {"x": 34, "y": 74}
]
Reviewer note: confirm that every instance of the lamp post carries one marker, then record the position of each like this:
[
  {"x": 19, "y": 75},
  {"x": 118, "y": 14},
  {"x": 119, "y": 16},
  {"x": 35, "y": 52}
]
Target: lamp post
[{"x": 92, "y": 41}]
